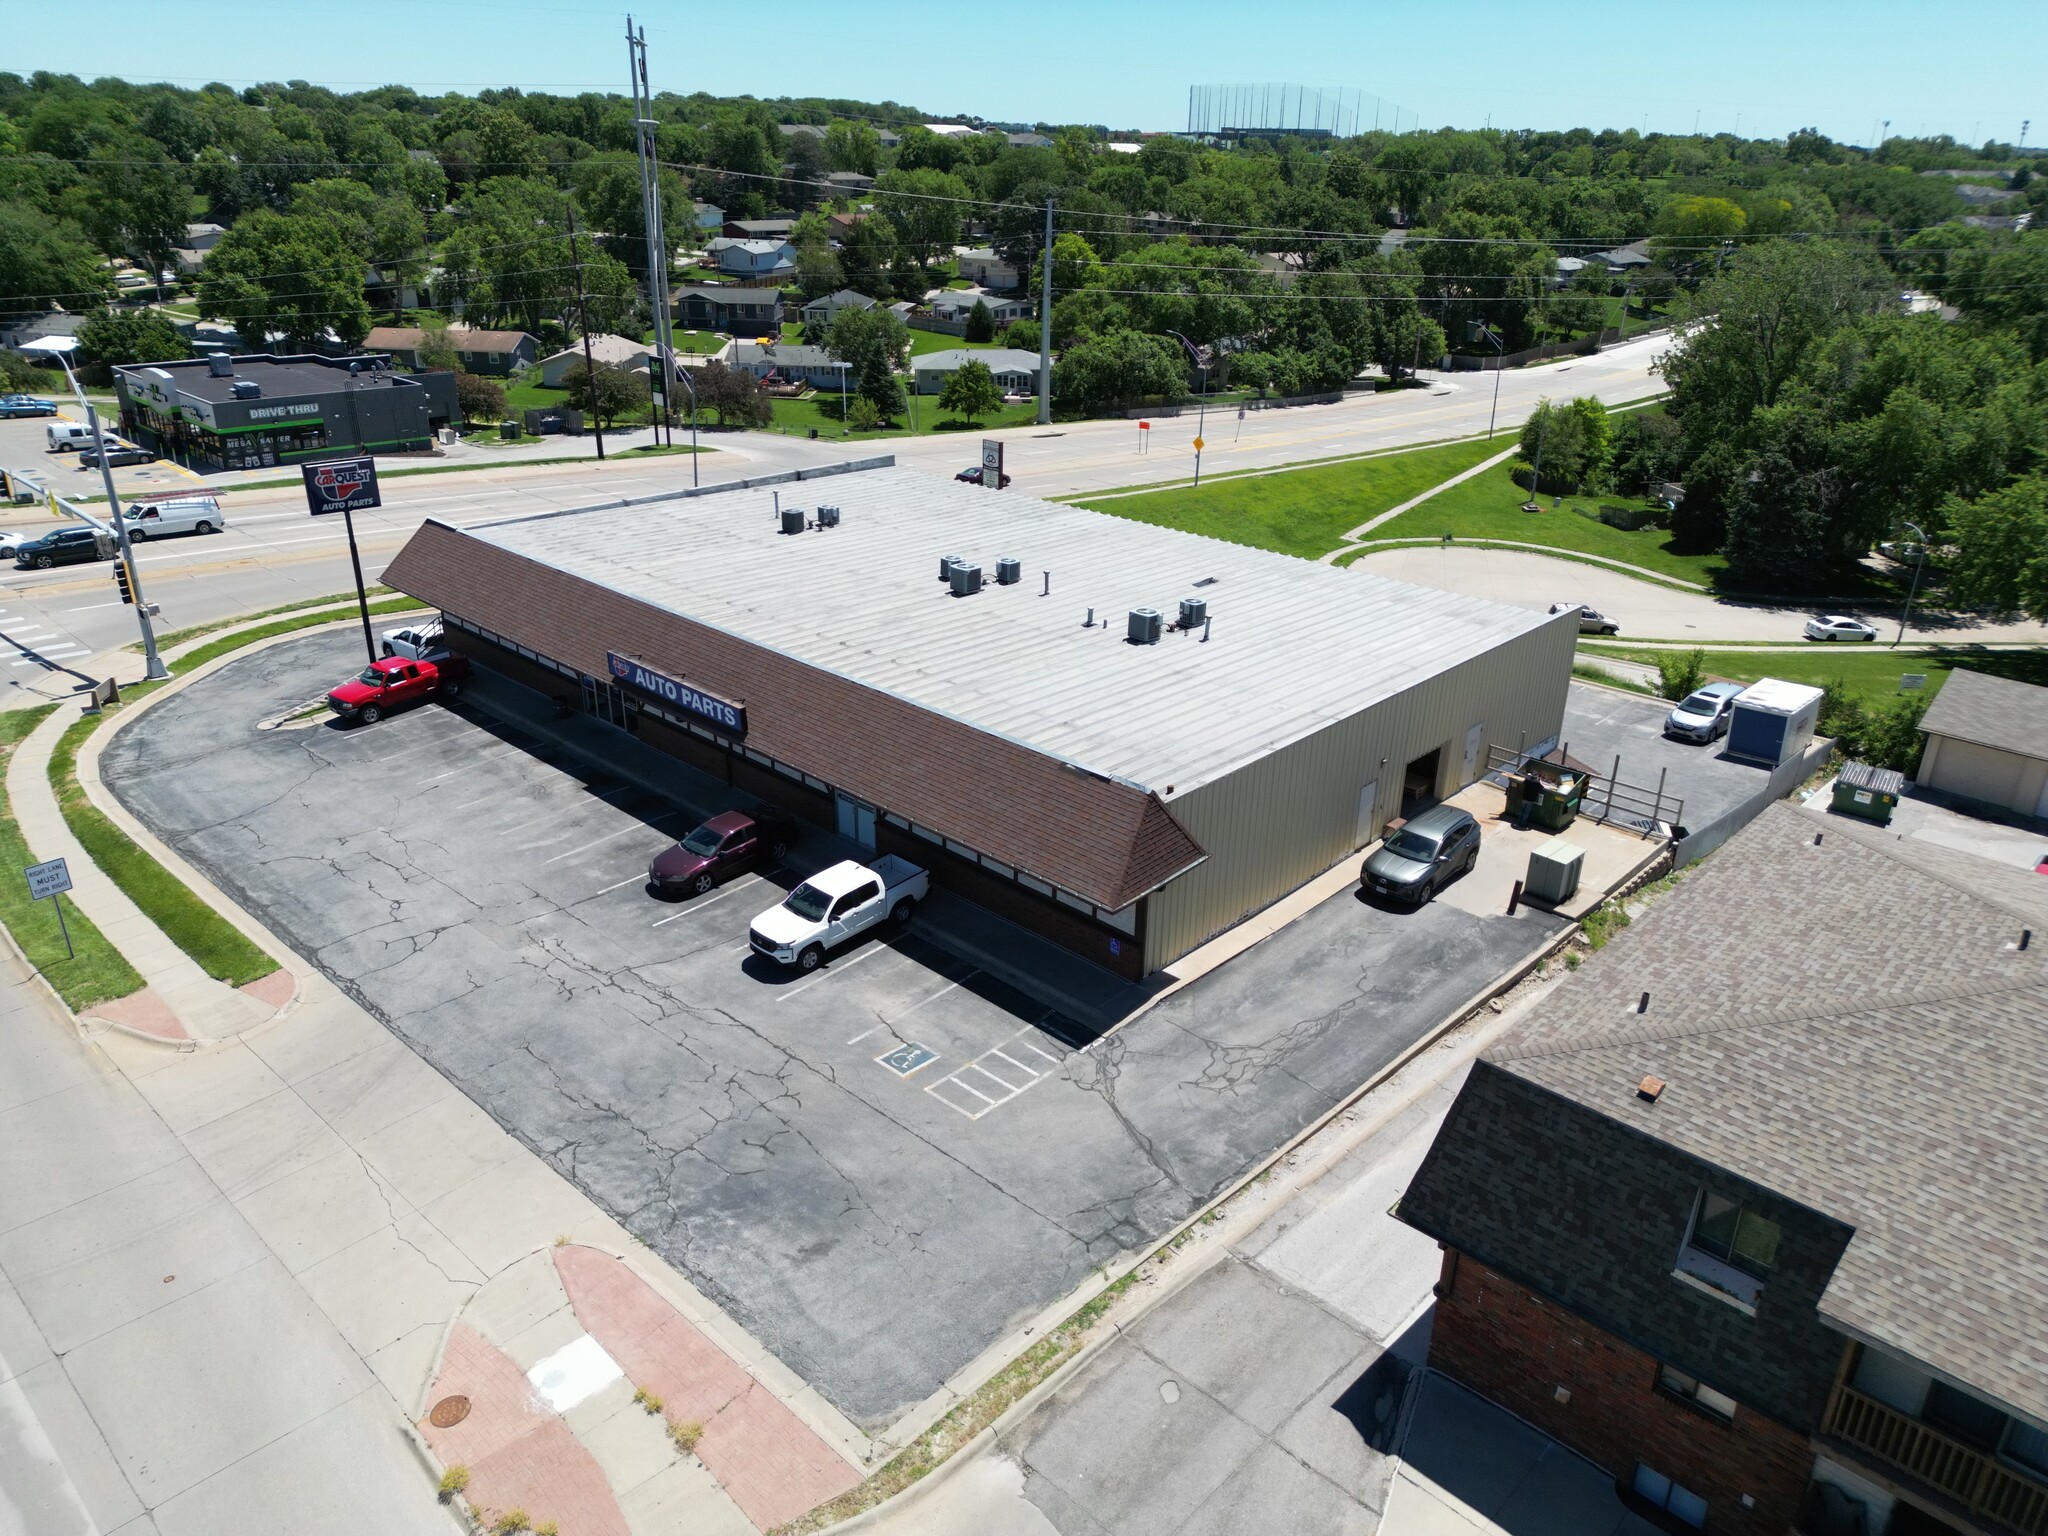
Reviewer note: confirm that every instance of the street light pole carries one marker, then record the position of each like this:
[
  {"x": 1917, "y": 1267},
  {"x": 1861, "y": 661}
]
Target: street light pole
[
  {"x": 155, "y": 670},
  {"x": 842, "y": 398},
  {"x": 1913, "y": 590},
  {"x": 1202, "y": 419},
  {"x": 1499, "y": 356}
]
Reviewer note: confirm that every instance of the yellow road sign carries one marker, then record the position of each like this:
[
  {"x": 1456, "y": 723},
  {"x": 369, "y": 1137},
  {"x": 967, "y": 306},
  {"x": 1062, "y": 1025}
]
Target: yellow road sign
[{"x": 1198, "y": 445}]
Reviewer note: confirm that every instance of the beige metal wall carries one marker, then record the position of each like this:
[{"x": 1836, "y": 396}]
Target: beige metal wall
[
  {"x": 1985, "y": 774},
  {"x": 1282, "y": 820}
]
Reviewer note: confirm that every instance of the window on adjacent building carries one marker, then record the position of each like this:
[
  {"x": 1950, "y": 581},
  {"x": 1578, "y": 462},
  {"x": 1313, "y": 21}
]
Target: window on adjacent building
[
  {"x": 1735, "y": 1235},
  {"x": 1668, "y": 1496},
  {"x": 1692, "y": 1390}
]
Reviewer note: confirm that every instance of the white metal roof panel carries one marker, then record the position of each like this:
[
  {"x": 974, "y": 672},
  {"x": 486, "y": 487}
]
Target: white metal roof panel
[{"x": 1294, "y": 646}]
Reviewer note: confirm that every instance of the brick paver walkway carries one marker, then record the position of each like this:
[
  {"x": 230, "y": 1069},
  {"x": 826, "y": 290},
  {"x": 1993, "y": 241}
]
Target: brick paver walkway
[{"x": 768, "y": 1461}]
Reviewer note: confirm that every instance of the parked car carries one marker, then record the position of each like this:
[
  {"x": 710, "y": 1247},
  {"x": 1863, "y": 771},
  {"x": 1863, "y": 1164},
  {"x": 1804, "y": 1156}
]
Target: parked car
[
  {"x": 118, "y": 453},
  {"x": 1702, "y": 715},
  {"x": 198, "y": 512},
  {"x": 834, "y": 905},
  {"x": 1591, "y": 620},
  {"x": 973, "y": 477},
  {"x": 415, "y": 642},
  {"x": 722, "y": 846},
  {"x": 12, "y": 406},
  {"x": 396, "y": 683},
  {"x": 1838, "y": 626},
  {"x": 62, "y": 436},
  {"x": 1423, "y": 856},
  {"x": 66, "y": 546}
]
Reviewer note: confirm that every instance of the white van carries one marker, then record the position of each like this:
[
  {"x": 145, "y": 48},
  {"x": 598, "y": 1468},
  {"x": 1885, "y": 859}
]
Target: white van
[
  {"x": 67, "y": 435},
  {"x": 188, "y": 512}
]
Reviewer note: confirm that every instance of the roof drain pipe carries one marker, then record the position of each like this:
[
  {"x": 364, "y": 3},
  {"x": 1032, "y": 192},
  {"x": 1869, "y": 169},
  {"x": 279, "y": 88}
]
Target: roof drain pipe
[
  {"x": 1205, "y": 629},
  {"x": 1089, "y": 622}
]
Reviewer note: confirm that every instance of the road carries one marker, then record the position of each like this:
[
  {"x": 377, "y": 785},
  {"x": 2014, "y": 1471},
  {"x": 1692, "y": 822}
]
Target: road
[{"x": 273, "y": 553}]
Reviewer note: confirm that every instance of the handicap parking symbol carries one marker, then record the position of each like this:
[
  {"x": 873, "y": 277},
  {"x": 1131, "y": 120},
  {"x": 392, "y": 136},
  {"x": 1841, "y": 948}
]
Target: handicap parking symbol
[{"x": 907, "y": 1058}]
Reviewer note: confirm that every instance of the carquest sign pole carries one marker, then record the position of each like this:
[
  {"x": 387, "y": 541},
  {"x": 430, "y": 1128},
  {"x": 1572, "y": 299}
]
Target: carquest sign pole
[{"x": 343, "y": 485}]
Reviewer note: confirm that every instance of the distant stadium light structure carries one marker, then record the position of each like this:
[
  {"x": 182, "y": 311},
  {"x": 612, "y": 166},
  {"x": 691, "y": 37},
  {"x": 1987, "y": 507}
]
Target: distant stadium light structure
[{"x": 1230, "y": 114}]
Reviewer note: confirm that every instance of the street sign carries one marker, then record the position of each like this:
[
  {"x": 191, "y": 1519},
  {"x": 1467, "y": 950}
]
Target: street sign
[
  {"x": 342, "y": 485},
  {"x": 1144, "y": 426},
  {"x": 1198, "y": 445},
  {"x": 50, "y": 878},
  {"x": 1908, "y": 681}
]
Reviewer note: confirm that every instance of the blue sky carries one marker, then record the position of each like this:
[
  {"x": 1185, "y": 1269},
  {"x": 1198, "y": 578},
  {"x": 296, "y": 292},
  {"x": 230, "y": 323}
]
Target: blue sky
[{"x": 1966, "y": 67}]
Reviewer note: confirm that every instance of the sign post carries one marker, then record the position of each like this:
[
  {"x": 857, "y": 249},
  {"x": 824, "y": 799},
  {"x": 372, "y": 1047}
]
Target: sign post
[
  {"x": 52, "y": 879},
  {"x": 344, "y": 486},
  {"x": 992, "y": 463}
]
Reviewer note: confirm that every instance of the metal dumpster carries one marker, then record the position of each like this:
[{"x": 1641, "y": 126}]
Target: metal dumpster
[{"x": 1872, "y": 793}]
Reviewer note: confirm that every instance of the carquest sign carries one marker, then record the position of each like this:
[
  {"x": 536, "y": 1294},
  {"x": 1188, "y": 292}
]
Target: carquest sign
[
  {"x": 720, "y": 714},
  {"x": 342, "y": 485}
]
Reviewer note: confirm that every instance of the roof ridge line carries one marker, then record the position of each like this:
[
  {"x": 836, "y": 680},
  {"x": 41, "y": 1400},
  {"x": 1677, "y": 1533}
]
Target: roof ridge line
[{"x": 1895, "y": 846}]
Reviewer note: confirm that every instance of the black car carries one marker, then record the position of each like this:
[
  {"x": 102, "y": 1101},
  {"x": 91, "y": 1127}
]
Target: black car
[
  {"x": 973, "y": 477},
  {"x": 1423, "y": 856},
  {"x": 67, "y": 546}
]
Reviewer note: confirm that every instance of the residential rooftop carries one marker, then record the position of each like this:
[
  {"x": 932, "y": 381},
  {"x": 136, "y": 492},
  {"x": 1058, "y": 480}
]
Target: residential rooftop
[
  {"x": 1295, "y": 646},
  {"x": 1990, "y": 712}
]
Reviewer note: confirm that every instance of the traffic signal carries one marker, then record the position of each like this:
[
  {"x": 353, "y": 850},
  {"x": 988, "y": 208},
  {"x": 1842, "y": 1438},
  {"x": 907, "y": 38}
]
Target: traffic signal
[{"x": 121, "y": 581}]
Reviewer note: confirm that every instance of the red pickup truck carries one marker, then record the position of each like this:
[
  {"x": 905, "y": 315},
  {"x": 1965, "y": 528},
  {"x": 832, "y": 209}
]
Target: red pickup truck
[{"x": 395, "y": 682}]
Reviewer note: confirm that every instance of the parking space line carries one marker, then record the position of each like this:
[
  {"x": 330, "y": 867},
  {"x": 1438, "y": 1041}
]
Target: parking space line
[
  {"x": 1003, "y": 1083},
  {"x": 609, "y": 836},
  {"x": 949, "y": 986},
  {"x": 872, "y": 949},
  {"x": 856, "y": 1040},
  {"x": 1035, "y": 1075},
  {"x": 704, "y": 906},
  {"x": 635, "y": 880}
]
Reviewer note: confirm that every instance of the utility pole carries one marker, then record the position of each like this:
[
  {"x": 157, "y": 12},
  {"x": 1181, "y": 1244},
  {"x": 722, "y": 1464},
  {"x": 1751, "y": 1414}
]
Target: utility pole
[
  {"x": 650, "y": 209},
  {"x": 155, "y": 671},
  {"x": 1045, "y": 326},
  {"x": 583, "y": 321}
]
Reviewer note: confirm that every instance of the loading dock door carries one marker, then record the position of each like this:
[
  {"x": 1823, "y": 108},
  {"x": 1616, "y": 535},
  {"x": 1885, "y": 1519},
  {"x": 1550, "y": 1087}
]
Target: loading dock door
[{"x": 856, "y": 821}]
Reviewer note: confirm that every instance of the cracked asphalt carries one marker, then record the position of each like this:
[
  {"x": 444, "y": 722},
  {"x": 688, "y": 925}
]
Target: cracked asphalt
[{"x": 479, "y": 893}]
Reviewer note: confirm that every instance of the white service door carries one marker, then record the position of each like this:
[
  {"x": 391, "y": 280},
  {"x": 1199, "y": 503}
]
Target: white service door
[
  {"x": 1368, "y": 804},
  {"x": 1475, "y": 743}
]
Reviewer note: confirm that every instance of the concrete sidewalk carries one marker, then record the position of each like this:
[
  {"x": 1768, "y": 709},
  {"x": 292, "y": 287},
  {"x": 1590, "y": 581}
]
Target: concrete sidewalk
[{"x": 332, "y": 1205}]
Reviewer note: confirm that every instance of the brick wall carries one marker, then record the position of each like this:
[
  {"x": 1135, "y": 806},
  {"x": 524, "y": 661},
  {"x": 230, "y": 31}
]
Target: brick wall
[{"x": 1516, "y": 1348}]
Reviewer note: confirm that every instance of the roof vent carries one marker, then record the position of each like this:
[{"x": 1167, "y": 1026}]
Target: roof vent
[
  {"x": 1649, "y": 1088},
  {"x": 1144, "y": 626},
  {"x": 966, "y": 579},
  {"x": 1193, "y": 610},
  {"x": 828, "y": 517},
  {"x": 221, "y": 366},
  {"x": 792, "y": 519},
  {"x": 946, "y": 564},
  {"x": 1009, "y": 571},
  {"x": 247, "y": 389}
]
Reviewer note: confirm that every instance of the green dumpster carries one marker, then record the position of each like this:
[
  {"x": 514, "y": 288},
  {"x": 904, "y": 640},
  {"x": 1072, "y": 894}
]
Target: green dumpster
[{"x": 1872, "y": 793}]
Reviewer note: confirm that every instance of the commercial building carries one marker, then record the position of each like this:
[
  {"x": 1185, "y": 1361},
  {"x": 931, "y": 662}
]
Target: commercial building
[
  {"x": 1753, "y": 1210},
  {"x": 1987, "y": 741},
  {"x": 999, "y": 725},
  {"x": 213, "y": 413}
]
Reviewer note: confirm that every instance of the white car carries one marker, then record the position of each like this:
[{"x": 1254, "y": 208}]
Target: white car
[
  {"x": 1838, "y": 626},
  {"x": 834, "y": 905},
  {"x": 1591, "y": 620}
]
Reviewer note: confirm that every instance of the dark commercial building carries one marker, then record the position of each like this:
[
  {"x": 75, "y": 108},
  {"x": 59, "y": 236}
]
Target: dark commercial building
[
  {"x": 1753, "y": 1210},
  {"x": 251, "y": 412}
]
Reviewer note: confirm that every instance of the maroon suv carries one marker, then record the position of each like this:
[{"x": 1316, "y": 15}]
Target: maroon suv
[{"x": 734, "y": 841}]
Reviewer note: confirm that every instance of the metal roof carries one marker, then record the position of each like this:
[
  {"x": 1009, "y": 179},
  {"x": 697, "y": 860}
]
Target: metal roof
[{"x": 1295, "y": 646}]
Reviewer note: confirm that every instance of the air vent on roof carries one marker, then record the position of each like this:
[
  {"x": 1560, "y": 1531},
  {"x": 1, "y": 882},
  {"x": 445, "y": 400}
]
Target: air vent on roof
[
  {"x": 247, "y": 389},
  {"x": 221, "y": 366},
  {"x": 1650, "y": 1089},
  {"x": 1206, "y": 581},
  {"x": 1143, "y": 626},
  {"x": 946, "y": 563},
  {"x": 828, "y": 517},
  {"x": 966, "y": 578},
  {"x": 1192, "y": 611},
  {"x": 792, "y": 519},
  {"x": 1009, "y": 571}
]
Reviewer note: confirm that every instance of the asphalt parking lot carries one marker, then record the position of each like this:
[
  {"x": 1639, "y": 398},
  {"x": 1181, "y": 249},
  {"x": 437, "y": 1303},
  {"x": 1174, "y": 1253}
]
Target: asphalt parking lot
[
  {"x": 24, "y": 446},
  {"x": 1601, "y": 724},
  {"x": 879, "y": 1168}
]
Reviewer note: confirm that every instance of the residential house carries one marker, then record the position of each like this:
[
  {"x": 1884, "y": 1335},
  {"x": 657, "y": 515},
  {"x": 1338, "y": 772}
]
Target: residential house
[
  {"x": 1979, "y": 196},
  {"x": 1016, "y": 371},
  {"x": 788, "y": 362},
  {"x": 1028, "y": 141},
  {"x": 1626, "y": 259},
  {"x": 737, "y": 311},
  {"x": 824, "y": 310},
  {"x": 202, "y": 237},
  {"x": 953, "y": 305},
  {"x": 759, "y": 229},
  {"x": 1568, "y": 268},
  {"x": 889, "y": 136},
  {"x": 708, "y": 217},
  {"x": 838, "y": 226},
  {"x": 619, "y": 351},
  {"x": 1753, "y": 1209},
  {"x": 987, "y": 269},
  {"x": 847, "y": 183},
  {"x": 53, "y": 325},
  {"x": 490, "y": 352},
  {"x": 808, "y": 130},
  {"x": 752, "y": 258},
  {"x": 1987, "y": 742}
]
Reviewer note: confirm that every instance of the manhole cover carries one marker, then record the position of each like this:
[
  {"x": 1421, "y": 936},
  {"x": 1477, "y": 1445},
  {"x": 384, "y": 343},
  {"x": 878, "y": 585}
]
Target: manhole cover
[{"x": 449, "y": 1412}]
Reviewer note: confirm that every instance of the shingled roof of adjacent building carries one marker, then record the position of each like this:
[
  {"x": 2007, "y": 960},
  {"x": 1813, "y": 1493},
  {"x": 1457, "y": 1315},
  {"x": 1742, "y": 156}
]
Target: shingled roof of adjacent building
[
  {"x": 1990, "y": 712},
  {"x": 1850, "y": 1023}
]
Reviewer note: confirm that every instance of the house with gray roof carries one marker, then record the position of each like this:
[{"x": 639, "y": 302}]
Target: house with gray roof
[
  {"x": 770, "y": 258},
  {"x": 1987, "y": 742},
  {"x": 823, "y": 310},
  {"x": 1752, "y": 1210},
  {"x": 788, "y": 362},
  {"x": 1016, "y": 371}
]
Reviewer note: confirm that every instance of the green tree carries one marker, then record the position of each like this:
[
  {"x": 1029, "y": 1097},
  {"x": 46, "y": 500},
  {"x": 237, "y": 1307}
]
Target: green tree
[
  {"x": 972, "y": 392},
  {"x": 1074, "y": 266},
  {"x": 480, "y": 399},
  {"x": 1691, "y": 231},
  {"x": 436, "y": 351},
  {"x": 113, "y": 338},
  {"x": 866, "y": 255},
  {"x": 2001, "y": 548},
  {"x": 925, "y": 208},
  {"x": 288, "y": 280},
  {"x": 1119, "y": 369},
  {"x": 1566, "y": 444},
  {"x": 1789, "y": 526},
  {"x": 138, "y": 204},
  {"x": 876, "y": 343},
  {"x": 854, "y": 146},
  {"x": 735, "y": 396},
  {"x": 606, "y": 392},
  {"x": 980, "y": 324},
  {"x": 45, "y": 261}
]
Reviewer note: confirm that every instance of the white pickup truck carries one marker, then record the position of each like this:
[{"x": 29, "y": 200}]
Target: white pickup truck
[
  {"x": 835, "y": 904},
  {"x": 418, "y": 642}
]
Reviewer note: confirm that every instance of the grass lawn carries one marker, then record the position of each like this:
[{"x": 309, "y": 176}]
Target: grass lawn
[
  {"x": 923, "y": 419},
  {"x": 98, "y": 973},
  {"x": 1306, "y": 511},
  {"x": 1869, "y": 672}
]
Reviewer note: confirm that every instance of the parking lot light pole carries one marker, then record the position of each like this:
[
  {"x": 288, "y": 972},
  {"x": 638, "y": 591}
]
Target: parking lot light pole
[
  {"x": 1499, "y": 356},
  {"x": 1913, "y": 590},
  {"x": 155, "y": 671}
]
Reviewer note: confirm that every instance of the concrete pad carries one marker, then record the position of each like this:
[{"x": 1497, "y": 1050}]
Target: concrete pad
[
  {"x": 684, "y": 1500},
  {"x": 405, "y": 1364},
  {"x": 437, "y": 1149},
  {"x": 1328, "y": 1434},
  {"x": 1417, "y": 1507},
  {"x": 42, "y": 1061},
  {"x": 22, "y": 1345},
  {"x": 630, "y": 1444},
  {"x": 205, "y": 1085},
  {"x": 55, "y": 1468},
  {"x": 322, "y": 1032},
  {"x": 262, "y": 1143},
  {"x": 315, "y": 1212},
  {"x": 371, "y": 1089},
  {"x": 346, "y": 1472},
  {"x": 69, "y": 1146},
  {"x": 1272, "y": 1491},
  {"x": 1256, "y": 1348},
  {"x": 516, "y": 1298},
  {"x": 399, "y": 1278},
  {"x": 533, "y": 1344},
  {"x": 139, "y": 1379},
  {"x": 1612, "y": 854},
  {"x": 985, "y": 1496},
  {"x": 515, "y": 1205},
  {"x": 141, "y": 1246}
]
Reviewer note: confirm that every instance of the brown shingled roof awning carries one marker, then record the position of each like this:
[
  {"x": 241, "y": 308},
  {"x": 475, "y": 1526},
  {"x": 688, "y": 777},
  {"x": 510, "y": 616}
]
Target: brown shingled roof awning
[{"x": 1100, "y": 839}]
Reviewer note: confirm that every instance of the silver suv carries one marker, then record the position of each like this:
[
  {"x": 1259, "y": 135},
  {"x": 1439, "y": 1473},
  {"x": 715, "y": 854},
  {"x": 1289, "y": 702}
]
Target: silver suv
[{"x": 1423, "y": 856}]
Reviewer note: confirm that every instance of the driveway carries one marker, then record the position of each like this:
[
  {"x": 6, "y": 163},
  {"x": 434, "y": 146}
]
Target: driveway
[
  {"x": 1602, "y": 724},
  {"x": 878, "y": 1169}
]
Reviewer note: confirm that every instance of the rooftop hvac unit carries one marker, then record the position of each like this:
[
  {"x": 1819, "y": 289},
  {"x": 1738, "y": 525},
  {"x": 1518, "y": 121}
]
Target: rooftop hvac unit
[
  {"x": 1009, "y": 571},
  {"x": 792, "y": 519},
  {"x": 1192, "y": 611},
  {"x": 966, "y": 579},
  {"x": 221, "y": 366},
  {"x": 1144, "y": 626},
  {"x": 247, "y": 389},
  {"x": 828, "y": 517},
  {"x": 946, "y": 564}
]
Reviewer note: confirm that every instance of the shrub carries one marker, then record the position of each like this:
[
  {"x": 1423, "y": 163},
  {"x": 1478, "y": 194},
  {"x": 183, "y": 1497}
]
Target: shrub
[
  {"x": 479, "y": 398},
  {"x": 686, "y": 1433},
  {"x": 647, "y": 1400},
  {"x": 862, "y": 416},
  {"x": 1891, "y": 733},
  {"x": 1680, "y": 672},
  {"x": 511, "y": 1523},
  {"x": 453, "y": 1481}
]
